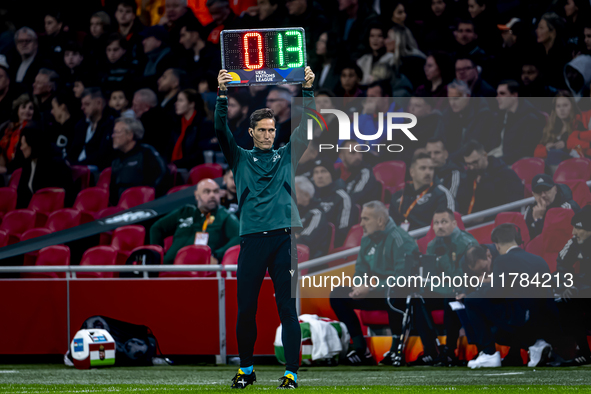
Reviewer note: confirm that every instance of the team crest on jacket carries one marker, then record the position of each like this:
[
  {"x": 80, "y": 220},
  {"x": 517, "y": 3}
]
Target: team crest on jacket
[
  {"x": 187, "y": 222},
  {"x": 372, "y": 251},
  {"x": 424, "y": 199},
  {"x": 276, "y": 157}
]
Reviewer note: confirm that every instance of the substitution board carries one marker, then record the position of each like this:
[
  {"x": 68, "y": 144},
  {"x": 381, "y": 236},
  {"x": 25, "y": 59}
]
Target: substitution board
[{"x": 264, "y": 56}]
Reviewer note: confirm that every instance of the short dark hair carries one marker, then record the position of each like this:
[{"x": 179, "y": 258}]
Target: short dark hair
[
  {"x": 445, "y": 210},
  {"x": 195, "y": 26},
  {"x": 128, "y": 3},
  {"x": 73, "y": 46},
  {"x": 384, "y": 86},
  {"x": 472, "y": 146},
  {"x": 465, "y": 57},
  {"x": 179, "y": 74},
  {"x": 57, "y": 15},
  {"x": 419, "y": 156},
  {"x": 434, "y": 140},
  {"x": 260, "y": 114},
  {"x": 66, "y": 97},
  {"x": 474, "y": 254},
  {"x": 504, "y": 234},
  {"x": 93, "y": 92},
  {"x": 194, "y": 96},
  {"x": 116, "y": 37},
  {"x": 464, "y": 21},
  {"x": 430, "y": 101},
  {"x": 512, "y": 85},
  {"x": 355, "y": 67}
]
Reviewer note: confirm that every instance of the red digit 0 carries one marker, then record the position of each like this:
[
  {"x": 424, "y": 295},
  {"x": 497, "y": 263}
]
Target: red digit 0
[{"x": 260, "y": 50}]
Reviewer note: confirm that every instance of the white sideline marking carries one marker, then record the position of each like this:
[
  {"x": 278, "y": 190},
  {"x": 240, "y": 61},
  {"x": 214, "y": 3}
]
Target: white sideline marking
[
  {"x": 499, "y": 374},
  {"x": 8, "y": 371}
]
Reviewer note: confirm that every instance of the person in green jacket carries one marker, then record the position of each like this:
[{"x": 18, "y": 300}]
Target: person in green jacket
[
  {"x": 264, "y": 180},
  {"x": 384, "y": 250},
  {"x": 189, "y": 224},
  {"x": 449, "y": 245}
]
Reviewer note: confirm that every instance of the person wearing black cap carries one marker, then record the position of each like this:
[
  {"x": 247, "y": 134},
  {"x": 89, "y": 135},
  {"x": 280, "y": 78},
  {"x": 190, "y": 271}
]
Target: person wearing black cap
[
  {"x": 547, "y": 195},
  {"x": 413, "y": 207},
  {"x": 334, "y": 200},
  {"x": 159, "y": 54},
  {"x": 575, "y": 300}
]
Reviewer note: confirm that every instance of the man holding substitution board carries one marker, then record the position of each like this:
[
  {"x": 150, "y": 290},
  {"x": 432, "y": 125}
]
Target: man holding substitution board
[{"x": 264, "y": 181}]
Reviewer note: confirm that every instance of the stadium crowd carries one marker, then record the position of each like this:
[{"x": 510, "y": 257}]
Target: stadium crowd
[{"x": 131, "y": 86}]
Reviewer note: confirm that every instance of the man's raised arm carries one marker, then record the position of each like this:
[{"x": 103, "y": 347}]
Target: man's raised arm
[
  {"x": 298, "y": 138},
  {"x": 229, "y": 147}
]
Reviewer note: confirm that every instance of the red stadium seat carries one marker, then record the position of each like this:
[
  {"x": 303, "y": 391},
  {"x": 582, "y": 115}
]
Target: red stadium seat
[
  {"x": 3, "y": 238},
  {"x": 104, "y": 179},
  {"x": 16, "y": 222},
  {"x": 81, "y": 175},
  {"x": 391, "y": 174},
  {"x": 527, "y": 168},
  {"x": 98, "y": 255},
  {"x": 353, "y": 240},
  {"x": 63, "y": 219},
  {"x": 135, "y": 196},
  {"x": 203, "y": 171},
  {"x": 581, "y": 193},
  {"x": 156, "y": 248},
  {"x": 191, "y": 255},
  {"x": 424, "y": 242},
  {"x": 110, "y": 211},
  {"x": 125, "y": 239},
  {"x": 51, "y": 255},
  {"x": 31, "y": 257},
  {"x": 15, "y": 178},
  {"x": 7, "y": 200},
  {"x": 572, "y": 169},
  {"x": 177, "y": 189},
  {"x": 231, "y": 257},
  {"x": 46, "y": 201},
  {"x": 517, "y": 219},
  {"x": 555, "y": 234},
  {"x": 90, "y": 201}
]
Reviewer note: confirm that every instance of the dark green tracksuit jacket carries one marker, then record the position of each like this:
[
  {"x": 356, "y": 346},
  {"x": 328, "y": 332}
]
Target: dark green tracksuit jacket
[
  {"x": 264, "y": 178},
  {"x": 383, "y": 254},
  {"x": 185, "y": 222}
]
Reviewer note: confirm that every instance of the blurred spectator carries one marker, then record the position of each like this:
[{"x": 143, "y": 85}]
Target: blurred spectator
[
  {"x": 64, "y": 108},
  {"x": 334, "y": 200},
  {"x": 350, "y": 22},
  {"x": 466, "y": 119},
  {"x": 119, "y": 103},
  {"x": 136, "y": 164},
  {"x": 467, "y": 42},
  {"x": 177, "y": 15},
  {"x": 428, "y": 119},
  {"x": 154, "y": 119},
  {"x": 490, "y": 182},
  {"x": 447, "y": 173},
  {"x": 223, "y": 18},
  {"x": 561, "y": 123},
  {"x": 95, "y": 42},
  {"x": 515, "y": 48},
  {"x": 315, "y": 233},
  {"x": 325, "y": 66},
  {"x": 534, "y": 85},
  {"x": 44, "y": 88},
  {"x": 467, "y": 71},
  {"x": 360, "y": 182},
  {"x": 159, "y": 55},
  {"x": 439, "y": 26},
  {"x": 577, "y": 75},
  {"x": 91, "y": 143},
  {"x": 408, "y": 58},
  {"x": 483, "y": 14},
  {"x": 29, "y": 64},
  {"x": 129, "y": 28},
  {"x": 43, "y": 167},
  {"x": 279, "y": 100},
  {"x": 119, "y": 67},
  {"x": 518, "y": 127},
  {"x": 375, "y": 37},
  {"x": 575, "y": 298},
  {"x": 196, "y": 131},
  {"x": 266, "y": 14},
  {"x": 439, "y": 72},
  {"x": 547, "y": 195},
  {"x": 23, "y": 110},
  {"x": 6, "y": 93},
  {"x": 228, "y": 197},
  {"x": 53, "y": 42},
  {"x": 351, "y": 76},
  {"x": 208, "y": 223},
  {"x": 201, "y": 57},
  {"x": 413, "y": 207},
  {"x": 169, "y": 86},
  {"x": 238, "y": 119},
  {"x": 552, "y": 46},
  {"x": 72, "y": 61},
  {"x": 310, "y": 16},
  {"x": 577, "y": 13}
]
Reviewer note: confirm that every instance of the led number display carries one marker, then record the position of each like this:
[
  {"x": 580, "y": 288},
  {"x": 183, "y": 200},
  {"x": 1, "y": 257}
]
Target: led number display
[{"x": 264, "y": 56}]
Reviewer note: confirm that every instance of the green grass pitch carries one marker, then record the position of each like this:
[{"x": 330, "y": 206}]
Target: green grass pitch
[{"x": 44, "y": 378}]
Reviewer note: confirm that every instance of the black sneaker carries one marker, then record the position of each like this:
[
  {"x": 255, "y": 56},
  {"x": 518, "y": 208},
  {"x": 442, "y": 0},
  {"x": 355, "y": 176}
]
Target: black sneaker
[
  {"x": 423, "y": 360},
  {"x": 355, "y": 359},
  {"x": 577, "y": 361},
  {"x": 287, "y": 382},
  {"x": 388, "y": 358},
  {"x": 241, "y": 380}
]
